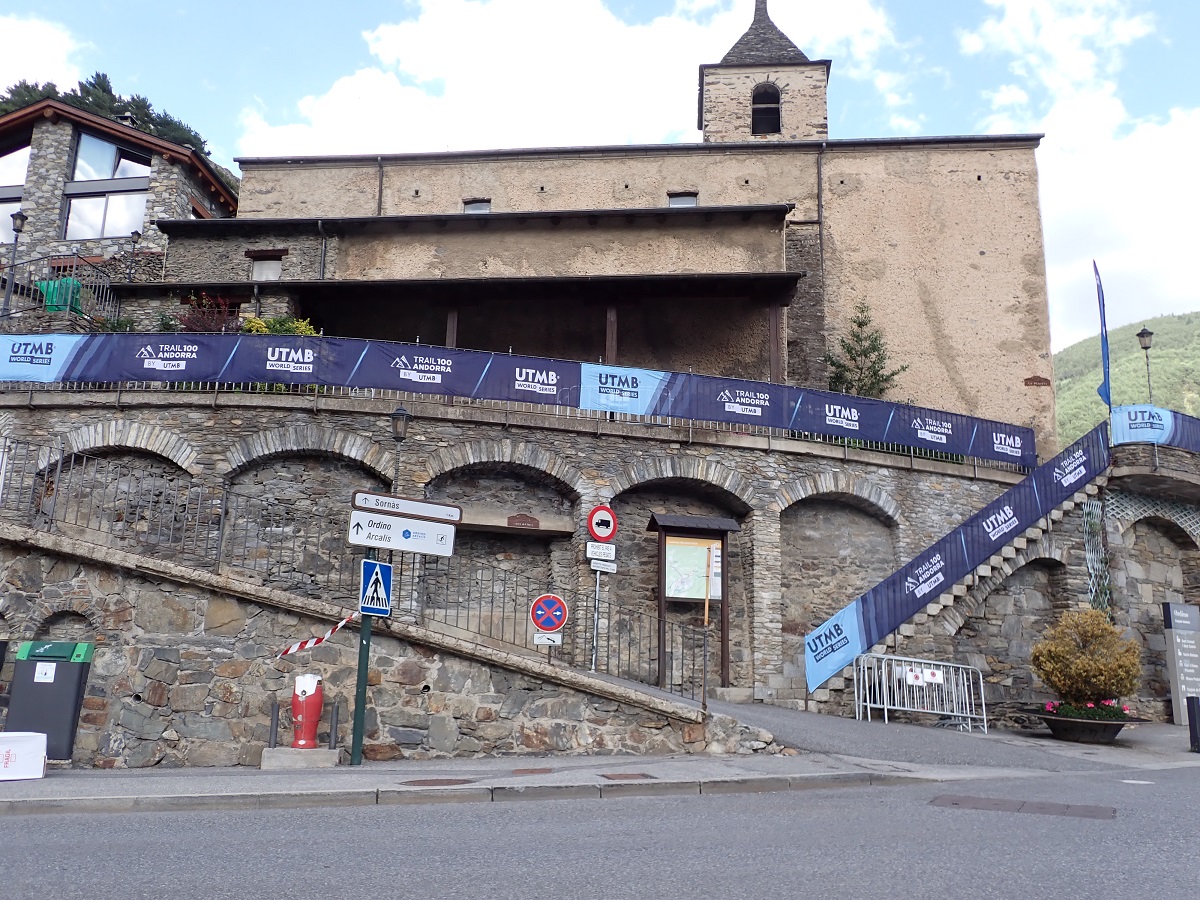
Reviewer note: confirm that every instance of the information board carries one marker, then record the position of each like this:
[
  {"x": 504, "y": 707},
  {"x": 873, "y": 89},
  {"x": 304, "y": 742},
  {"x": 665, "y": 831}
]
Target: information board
[{"x": 1182, "y": 623}]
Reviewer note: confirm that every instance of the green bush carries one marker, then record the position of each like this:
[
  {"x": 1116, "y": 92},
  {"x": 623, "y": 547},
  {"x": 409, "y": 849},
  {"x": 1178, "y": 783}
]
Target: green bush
[{"x": 1084, "y": 660}]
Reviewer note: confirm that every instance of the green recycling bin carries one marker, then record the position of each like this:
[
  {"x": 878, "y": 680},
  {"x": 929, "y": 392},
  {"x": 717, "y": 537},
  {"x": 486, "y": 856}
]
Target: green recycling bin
[{"x": 46, "y": 694}]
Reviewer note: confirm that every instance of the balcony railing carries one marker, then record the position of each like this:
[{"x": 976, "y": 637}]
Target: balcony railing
[{"x": 59, "y": 283}]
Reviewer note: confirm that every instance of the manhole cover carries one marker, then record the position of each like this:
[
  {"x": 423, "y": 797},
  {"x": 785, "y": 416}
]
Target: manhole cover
[
  {"x": 438, "y": 782},
  {"x": 1034, "y": 807},
  {"x": 627, "y": 776},
  {"x": 532, "y": 771}
]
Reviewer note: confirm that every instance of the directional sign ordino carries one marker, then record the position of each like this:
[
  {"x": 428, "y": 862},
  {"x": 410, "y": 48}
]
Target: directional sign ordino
[
  {"x": 548, "y": 613},
  {"x": 602, "y": 523},
  {"x": 388, "y": 532}
]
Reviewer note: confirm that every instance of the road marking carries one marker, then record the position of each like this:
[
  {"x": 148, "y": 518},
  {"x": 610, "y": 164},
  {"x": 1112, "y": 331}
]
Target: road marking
[{"x": 1134, "y": 781}]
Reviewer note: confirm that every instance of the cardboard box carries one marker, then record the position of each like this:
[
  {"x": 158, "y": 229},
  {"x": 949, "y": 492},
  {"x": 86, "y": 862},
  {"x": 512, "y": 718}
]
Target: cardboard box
[{"x": 22, "y": 755}]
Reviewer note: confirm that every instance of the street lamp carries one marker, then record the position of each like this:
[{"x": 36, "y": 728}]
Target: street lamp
[
  {"x": 19, "y": 219},
  {"x": 1145, "y": 336},
  {"x": 399, "y": 417},
  {"x": 134, "y": 237}
]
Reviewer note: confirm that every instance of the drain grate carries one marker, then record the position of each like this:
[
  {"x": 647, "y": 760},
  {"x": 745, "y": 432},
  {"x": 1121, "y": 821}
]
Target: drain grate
[
  {"x": 532, "y": 771},
  {"x": 627, "y": 776},
  {"x": 1034, "y": 807},
  {"x": 438, "y": 782}
]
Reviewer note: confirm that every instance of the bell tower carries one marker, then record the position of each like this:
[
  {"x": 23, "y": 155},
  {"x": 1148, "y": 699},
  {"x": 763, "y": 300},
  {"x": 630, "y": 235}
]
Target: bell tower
[{"x": 765, "y": 89}]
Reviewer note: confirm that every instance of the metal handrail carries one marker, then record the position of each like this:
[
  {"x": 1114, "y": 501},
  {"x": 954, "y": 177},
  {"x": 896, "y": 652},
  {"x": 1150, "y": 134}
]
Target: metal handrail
[
  {"x": 161, "y": 512},
  {"x": 59, "y": 283}
]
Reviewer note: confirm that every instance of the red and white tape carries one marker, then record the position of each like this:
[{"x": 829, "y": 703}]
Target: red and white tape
[{"x": 312, "y": 642}]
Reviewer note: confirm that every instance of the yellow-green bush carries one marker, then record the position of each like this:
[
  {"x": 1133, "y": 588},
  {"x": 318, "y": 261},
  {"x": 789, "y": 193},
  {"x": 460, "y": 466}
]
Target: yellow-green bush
[{"x": 1085, "y": 660}]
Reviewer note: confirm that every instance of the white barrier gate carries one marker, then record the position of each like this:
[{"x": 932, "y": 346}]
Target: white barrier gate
[{"x": 900, "y": 684}]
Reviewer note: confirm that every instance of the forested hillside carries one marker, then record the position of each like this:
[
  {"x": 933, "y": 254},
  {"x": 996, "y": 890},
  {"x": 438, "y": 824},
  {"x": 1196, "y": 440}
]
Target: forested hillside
[{"x": 1174, "y": 371}]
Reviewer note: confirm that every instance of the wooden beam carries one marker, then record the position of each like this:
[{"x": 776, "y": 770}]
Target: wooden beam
[{"x": 610, "y": 336}]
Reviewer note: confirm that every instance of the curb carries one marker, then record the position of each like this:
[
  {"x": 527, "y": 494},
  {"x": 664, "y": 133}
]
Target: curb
[{"x": 482, "y": 794}]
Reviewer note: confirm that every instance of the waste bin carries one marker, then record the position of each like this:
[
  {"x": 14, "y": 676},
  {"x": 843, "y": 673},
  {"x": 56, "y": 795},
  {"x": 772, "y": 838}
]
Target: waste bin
[{"x": 46, "y": 694}]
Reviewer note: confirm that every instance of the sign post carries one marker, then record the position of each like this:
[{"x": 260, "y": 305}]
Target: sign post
[
  {"x": 360, "y": 686},
  {"x": 602, "y": 526}
]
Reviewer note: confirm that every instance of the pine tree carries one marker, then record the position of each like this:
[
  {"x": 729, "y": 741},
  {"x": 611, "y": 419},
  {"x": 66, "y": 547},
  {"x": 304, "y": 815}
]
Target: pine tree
[{"x": 862, "y": 366}]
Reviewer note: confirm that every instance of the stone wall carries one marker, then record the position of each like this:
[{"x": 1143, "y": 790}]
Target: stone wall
[
  {"x": 186, "y": 676},
  {"x": 296, "y": 450},
  {"x": 223, "y": 258}
]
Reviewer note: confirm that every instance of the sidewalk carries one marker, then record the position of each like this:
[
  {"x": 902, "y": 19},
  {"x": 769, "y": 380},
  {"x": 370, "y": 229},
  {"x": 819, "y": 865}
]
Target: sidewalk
[{"x": 863, "y": 754}]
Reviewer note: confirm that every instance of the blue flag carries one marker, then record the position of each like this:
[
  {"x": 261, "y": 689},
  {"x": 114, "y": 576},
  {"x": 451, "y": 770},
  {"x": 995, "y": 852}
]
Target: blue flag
[{"x": 1105, "y": 389}]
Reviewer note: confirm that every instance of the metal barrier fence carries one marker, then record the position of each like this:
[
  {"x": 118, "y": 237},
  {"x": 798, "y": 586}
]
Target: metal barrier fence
[
  {"x": 515, "y": 408},
  {"x": 160, "y": 512},
  {"x": 58, "y": 284},
  {"x": 900, "y": 684}
]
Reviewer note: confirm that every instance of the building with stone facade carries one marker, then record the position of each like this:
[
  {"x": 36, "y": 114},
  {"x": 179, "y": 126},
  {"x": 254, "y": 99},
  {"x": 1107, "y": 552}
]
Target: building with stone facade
[{"x": 742, "y": 256}]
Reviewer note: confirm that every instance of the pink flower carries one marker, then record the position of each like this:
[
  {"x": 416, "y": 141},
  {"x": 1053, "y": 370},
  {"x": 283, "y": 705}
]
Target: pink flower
[
  {"x": 1124, "y": 709},
  {"x": 1049, "y": 707},
  {"x": 1108, "y": 702},
  {"x": 1091, "y": 706}
]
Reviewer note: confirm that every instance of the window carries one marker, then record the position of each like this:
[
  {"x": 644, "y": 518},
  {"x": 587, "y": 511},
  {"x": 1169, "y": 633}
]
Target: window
[
  {"x": 477, "y": 206},
  {"x": 266, "y": 269},
  {"x": 97, "y": 160},
  {"x": 766, "y": 117},
  {"x": 107, "y": 197},
  {"x": 683, "y": 198},
  {"x": 13, "y": 164},
  {"x": 7, "y": 208}
]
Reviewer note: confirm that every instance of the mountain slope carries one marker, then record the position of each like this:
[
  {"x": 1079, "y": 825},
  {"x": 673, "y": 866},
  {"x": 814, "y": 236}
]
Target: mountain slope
[{"x": 1174, "y": 372}]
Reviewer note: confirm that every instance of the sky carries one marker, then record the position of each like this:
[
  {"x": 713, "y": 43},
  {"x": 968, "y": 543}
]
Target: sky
[{"x": 1113, "y": 84}]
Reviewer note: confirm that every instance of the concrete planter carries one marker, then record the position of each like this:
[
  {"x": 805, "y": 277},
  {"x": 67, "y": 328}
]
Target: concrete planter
[{"x": 1084, "y": 731}]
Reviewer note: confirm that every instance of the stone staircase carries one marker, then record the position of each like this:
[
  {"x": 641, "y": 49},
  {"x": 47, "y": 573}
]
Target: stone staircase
[{"x": 942, "y": 612}]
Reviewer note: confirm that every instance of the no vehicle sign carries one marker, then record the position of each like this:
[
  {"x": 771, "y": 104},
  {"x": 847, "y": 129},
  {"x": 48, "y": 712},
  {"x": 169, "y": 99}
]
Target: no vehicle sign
[
  {"x": 602, "y": 523},
  {"x": 548, "y": 612}
]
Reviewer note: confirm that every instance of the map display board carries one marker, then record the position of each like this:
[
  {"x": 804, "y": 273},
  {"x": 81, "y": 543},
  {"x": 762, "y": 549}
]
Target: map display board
[{"x": 692, "y": 568}]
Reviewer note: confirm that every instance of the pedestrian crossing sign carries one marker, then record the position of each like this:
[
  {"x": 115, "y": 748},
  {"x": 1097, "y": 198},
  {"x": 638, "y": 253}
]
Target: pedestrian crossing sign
[{"x": 375, "y": 589}]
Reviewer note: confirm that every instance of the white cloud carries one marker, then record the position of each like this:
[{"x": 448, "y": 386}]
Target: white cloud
[
  {"x": 37, "y": 51},
  {"x": 469, "y": 74},
  {"x": 1113, "y": 188}
]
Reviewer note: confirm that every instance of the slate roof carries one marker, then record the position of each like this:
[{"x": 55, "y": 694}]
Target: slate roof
[
  {"x": 659, "y": 521},
  {"x": 763, "y": 44}
]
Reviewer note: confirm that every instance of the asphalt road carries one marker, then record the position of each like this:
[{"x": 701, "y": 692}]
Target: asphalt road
[{"x": 847, "y": 843}]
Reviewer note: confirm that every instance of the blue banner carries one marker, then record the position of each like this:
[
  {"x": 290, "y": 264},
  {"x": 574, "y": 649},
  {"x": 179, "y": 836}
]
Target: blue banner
[
  {"x": 1142, "y": 424},
  {"x": 439, "y": 371},
  {"x": 834, "y": 645},
  {"x": 1105, "y": 388},
  {"x": 935, "y": 570}
]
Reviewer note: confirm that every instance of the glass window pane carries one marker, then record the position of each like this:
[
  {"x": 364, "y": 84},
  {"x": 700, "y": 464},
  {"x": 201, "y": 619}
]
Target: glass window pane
[
  {"x": 13, "y": 165},
  {"x": 477, "y": 206},
  {"x": 132, "y": 165},
  {"x": 125, "y": 214},
  {"x": 6, "y": 232},
  {"x": 266, "y": 269},
  {"x": 683, "y": 200},
  {"x": 85, "y": 218},
  {"x": 94, "y": 159}
]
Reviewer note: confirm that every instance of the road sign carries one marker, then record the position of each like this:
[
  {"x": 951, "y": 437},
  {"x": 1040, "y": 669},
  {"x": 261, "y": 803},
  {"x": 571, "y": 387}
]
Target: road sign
[
  {"x": 601, "y": 551},
  {"x": 602, "y": 523},
  {"x": 405, "y": 506},
  {"x": 401, "y": 533},
  {"x": 603, "y": 565},
  {"x": 375, "y": 588},
  {"x": 547, "y": 639},
  {"x": 548, "y": 612}
]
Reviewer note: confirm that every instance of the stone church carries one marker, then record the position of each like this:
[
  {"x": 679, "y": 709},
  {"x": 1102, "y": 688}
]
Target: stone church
[{"x": 742, "y": 256}]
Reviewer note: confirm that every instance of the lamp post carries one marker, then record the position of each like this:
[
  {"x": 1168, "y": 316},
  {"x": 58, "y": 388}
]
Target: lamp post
[
  {"x": 1145, "y": 336},
  {"x": 18, "y": 225},
  {"x": 399, "y": 418},
  {"x": 134, "y": 237}
]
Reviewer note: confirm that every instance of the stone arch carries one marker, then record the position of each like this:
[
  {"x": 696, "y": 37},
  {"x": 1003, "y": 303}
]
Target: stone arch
[
  {"x": 44, "y": 614},
  {"x": 734, "y": 489},
  {"x": 521, "y": 455},
  {"x": 123, "y": 434},
  {"x": 848, "y": 488},
  {"x": 309, "y": 439},
  {"x": 1170, "y": 525}
]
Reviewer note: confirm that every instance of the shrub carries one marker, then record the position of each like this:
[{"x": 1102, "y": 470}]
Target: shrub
[
  {"x": 1084, "y": 659},
  {"x": 278, "y": 325}
]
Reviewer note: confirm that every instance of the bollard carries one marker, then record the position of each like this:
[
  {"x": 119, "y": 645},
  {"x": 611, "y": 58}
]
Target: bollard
[
  {"x": 1193, "y": 714},
  {"x": 333, "y": 724},
  {"x": 273, "y": 740}
]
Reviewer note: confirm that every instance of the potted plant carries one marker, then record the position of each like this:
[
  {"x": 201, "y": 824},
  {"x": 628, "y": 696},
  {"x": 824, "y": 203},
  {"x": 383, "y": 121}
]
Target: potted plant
[{"x": 1087, "y": 663}]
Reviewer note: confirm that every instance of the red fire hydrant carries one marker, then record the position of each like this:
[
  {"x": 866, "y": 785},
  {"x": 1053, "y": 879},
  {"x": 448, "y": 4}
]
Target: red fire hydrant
[{"x": 306, "y": 710}]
